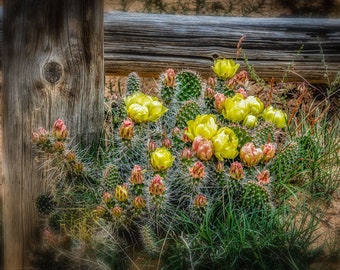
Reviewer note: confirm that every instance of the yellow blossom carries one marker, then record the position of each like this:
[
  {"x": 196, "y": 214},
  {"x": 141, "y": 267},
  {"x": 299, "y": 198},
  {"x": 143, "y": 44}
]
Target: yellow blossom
[
  {"x": 204, "y": 125},
  {"x": 143, "y": 108},
  {"x": 250, "y": 121},
  {"x": 225, "y": 68},
  {"x": 275, "y": 116},
  {"x": 161, "y": 159},
  {"x": 255, "y": 105},
  {"x": 225, "y": 144},
  {"x": 236, "y": 108}
]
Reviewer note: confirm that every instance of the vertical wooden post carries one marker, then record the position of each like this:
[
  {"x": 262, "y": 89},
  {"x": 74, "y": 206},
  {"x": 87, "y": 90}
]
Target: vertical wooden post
[{"x": 52, "y": 67}]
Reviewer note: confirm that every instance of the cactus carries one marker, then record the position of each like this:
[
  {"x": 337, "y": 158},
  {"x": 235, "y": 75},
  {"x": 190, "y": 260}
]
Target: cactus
[
  {"x": 167, "y": 94},
  {"x": 149, "y": 241},
  {"x": 111, "y": 177},
  {"x": 188, "y": 86},
  {"x": 263, "y": 133},
  {"x": 45, "y": 204},
  {"x": 243, "y": 134},
  {"x": 255, "y": 196},
  {"x": 187, "y": 112},
  {"x": 133, "y": 83},
  {"x": 55, "y": 221}
]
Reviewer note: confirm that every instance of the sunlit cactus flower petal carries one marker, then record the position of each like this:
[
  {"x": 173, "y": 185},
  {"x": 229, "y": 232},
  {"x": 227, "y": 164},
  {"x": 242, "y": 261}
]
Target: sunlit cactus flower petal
[
  {"x": 250, "y": 155},
  {"x": 250, "y": 121},
  {"x": 225, "y": 68},
  {"x": 236, "y": 108},
  {"x": 255, "y": 105},
  {"x": 161, "y": 159},
  {"x": 204, "y": 125},
  {"x": 121, "y": 193},
  {"x": 143, "y": 108},
  {"x": 225, "y": 144},
  {"x": 275, "y": 116}
]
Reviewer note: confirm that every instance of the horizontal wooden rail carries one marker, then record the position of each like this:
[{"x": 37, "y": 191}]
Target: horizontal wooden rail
[{"x": 151, "y": 43}]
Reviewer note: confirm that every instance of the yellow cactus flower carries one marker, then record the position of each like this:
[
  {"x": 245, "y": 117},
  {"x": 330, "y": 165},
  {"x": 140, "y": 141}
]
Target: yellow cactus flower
[
  {"x": 255, "y": 105},
  {"x": 161, "y": 159},
  {"x": 204, "y": 125},
  {"x": 225, "y": 68},
  {"x": 275, "y": 116},
  {"x": 143, "y": 108},
  {"x": 225, "y": 144},
  {"x": 250, "y": 121},
  {"x": 236, "y": 108}
]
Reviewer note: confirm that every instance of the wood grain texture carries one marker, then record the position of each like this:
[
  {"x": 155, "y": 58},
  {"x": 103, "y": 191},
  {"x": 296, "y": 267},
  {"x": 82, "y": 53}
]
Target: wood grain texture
[
  {"x": 150, "y": 43},
  {"x": 52, "y": 68}
]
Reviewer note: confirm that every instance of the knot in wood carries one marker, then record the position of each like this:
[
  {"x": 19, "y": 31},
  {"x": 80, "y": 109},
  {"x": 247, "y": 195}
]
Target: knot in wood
[{"x": 52, "y": 72}]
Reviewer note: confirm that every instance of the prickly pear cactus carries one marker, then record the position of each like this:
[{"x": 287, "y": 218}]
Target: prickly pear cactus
[
  {"x": 255, "y": 196},
  {"x": 189, "y": 86},
  {"x": 111, "y": 177},
  {"x": 187, "y": 112},
  {"x": 149, "y": 241},
  {"x": 263, "y": 133},
  {"x": 133, "y": 83}
]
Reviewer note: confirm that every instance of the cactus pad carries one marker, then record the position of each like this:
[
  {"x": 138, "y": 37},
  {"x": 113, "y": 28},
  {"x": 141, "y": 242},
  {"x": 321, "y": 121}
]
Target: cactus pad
[
  {"x": 255, "y": 196},
  {"x": 45, "y": 204},
  {"x": 111, "y": 177},
  {"x": 133, "y": 83},
  {"x": 188, "y": 86},
  {"x": 187, "y": 112}
]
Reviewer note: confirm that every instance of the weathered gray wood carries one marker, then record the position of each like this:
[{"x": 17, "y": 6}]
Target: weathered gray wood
[
  {"x": 52, "y": 67},
  {"x": 150, "y": 43}
]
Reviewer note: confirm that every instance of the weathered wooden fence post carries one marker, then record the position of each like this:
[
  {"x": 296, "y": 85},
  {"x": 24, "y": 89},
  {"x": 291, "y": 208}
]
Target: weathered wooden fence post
[{"x": 52, "y": 67}]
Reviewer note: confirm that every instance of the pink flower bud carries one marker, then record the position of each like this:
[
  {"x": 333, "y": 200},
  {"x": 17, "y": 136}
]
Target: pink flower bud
[
  {"x": 58, "y": 146},
  {"x": 219, "y": 167},
  {"x": 59, "y": 130},
  {"x": 197, "y": 170},
  {"x": 40, "y": 136},
  {"x": 152, "y": 146},
  {"x": 107, "y": 197},
  {"x": 185, "y": 138},
  {"x": 250, "y": 155},
  {"x": 137, "y": 176},
  {"x": 126, "y": 129},
  {"x": 200, "y": 201},
  {"x": 139, "y": 202},
  {"x": 209, "y": 93},
  {"x": 166, "y": 142},
  {"x": 264, "y": 177},
  {"x": 242, "y": 91},
  {"x": 176, "y": 131},
  {"x": 186, "y": 154},
  {"x": 219, "y": 102},
  {"x": 169, "y": 79},
  {"x": 78, "y": 167},
  {"x": 211, "y": 82},
  {"x": 70, "y": 156},
  {"x": 99, "y": 211},
  {"x": 156, "y": 186},
  {"x": 268, "y": 150},
  {"x": 117, "y": 211},
  {"x": 203, "y": 147},
  {"x": 236, "y": 170}
]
